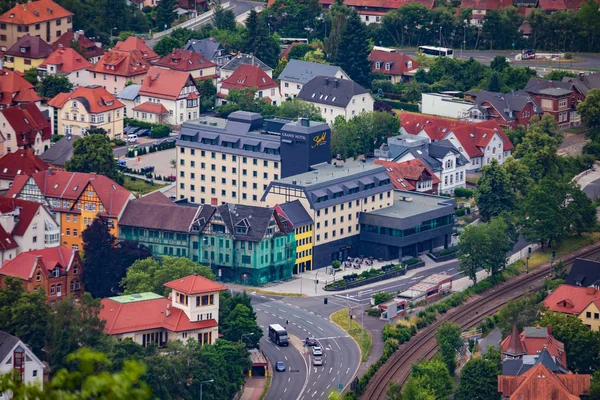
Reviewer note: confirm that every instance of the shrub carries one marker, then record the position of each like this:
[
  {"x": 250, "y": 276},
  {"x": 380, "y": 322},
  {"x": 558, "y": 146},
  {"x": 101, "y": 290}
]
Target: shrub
[
  {"x": 374, "y": 312},
  {"x": 382, "y": 297},
  {"x": 411, "y": 261},
  {"x": 445, "y": 252},
  {"x": 568, "y": 55},
  {"x": 160, "y": 131},
  {"x": 463, "y": 192}
]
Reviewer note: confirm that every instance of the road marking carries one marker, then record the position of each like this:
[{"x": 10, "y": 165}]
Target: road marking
[
  {"x": 304, "y": 329},
  {"x": 322, "y": 394},
  {"x": 317, "y": 327},
  {"x": 313, "y": 395},
  {"x": 281, "y": 310},
  {"x": 285, "y": 358},
  {"x": 295, "y": 316},
  {"x": 293, "y": 323},
  {"x": 285, "y": 390},
  {"x": 289, "y": 378},
  {"x": 297, "y": 307},
  {"x": 341, "y": 365},
  {"x": 273, "y": 314},
  {"x": 266, "y": 305},
  {"x": 333, "y": 380},
  {"x": 328, "y": 386},
  {"x": 315, "y": 382},
  {"x": 330, "y": 369},
  {"x": 257, "y": 309},
  {"x": 262, "y": 326},
  {"x": 277, "y": 347},
  {"x": 271, "y": 299},
  {"x": 333, "y": 337},
  {"x": 318, "y": 377},
  {"x": 262, "y": 296},
  {"x": 310, "y": 312},
  {"x": 310, "y": 322},
  {"x": 347, "y": 371}
]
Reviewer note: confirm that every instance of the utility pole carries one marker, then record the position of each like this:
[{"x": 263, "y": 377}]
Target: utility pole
[
  {"x": 551, "y": 261},
  {"x": 527, "y": 260}
]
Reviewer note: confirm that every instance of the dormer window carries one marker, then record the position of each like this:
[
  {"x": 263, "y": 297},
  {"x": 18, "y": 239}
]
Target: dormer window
[
  {"x": 23, "y": 49},
  {"x": 241, "y": 229},
  {"x": 56, "y": 272},
  {"x": 377, "y": 65},
  {"x": 387, "y": 66},
  {"x": 409, "y": 64}
]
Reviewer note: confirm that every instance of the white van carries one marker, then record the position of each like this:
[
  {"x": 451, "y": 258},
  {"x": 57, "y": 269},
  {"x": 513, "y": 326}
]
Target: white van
[{"x": 132, "y": 138}]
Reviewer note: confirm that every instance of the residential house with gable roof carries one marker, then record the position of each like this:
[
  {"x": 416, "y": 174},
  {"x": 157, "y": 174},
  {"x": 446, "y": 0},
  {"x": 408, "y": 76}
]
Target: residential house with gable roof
[
  {"x": 509, "y": 109},
  {"x": 210, "y": 49},
  {"x": 191, "y": 62},
  {"x": 167, "y": 97},
  {"x": 134, "y": 43},
  {"x": 58, "y": 154},
  {"x": 584, "y": 273},
  {"x": 29, "y": 52},
  {"x": 296, "y": 218},
  {"x": 67, "y": 62},
  {"x": 42, "y": 17},
  {"x": 235, "y": 62},
  {"x": 481, "y": 7},
  {"x": 412, "y": 175},
  {"x": 297, "y": 73},
  {"x": 335, "y": 97},
  {"x": 57, "y": 270},
  {"x": 371, "y": 11},
  {"x": 552, "y": 6},
  {"x": 25, "y": 226},
  {"x": 557, "y": 98},
  {"x": 25, "y": 127},
  {"x": 521, "y": 351},
  {"x": 15, "y": 90},
  {"x": 117, "y": 68},
  {"x": 248, "y": 76},
  {"x": 17, "y": 357},
  {"x": 578, "y": 301},
  {"x": 87, "y": 107},
  {"x": 190, "y": 312},
  {"x": 92, "y": 51},
  {"x": 397, "y": 67},
  {"x": 585, "y": 82},
  {"x": 75, "y": 198},
  {"x": 20, "y": 162}
]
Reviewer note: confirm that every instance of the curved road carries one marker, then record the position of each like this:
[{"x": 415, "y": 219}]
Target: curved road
[{"x": 341, "y": 355}]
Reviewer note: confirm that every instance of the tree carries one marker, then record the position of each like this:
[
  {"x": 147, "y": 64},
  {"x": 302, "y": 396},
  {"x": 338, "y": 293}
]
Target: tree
[
  {"x": 93, "y": 153},
  {"x": 473, "y": 250},
  {"x": 494, "y": 83},
  {"x": 297, "y": 108},
  {"x": 149, "y": 275},
  {"x": 283, "y": 62},
  {"x": 237, "y": 317},
  {"x": 436, "y": 373},
  {"x": 354, "y": 49},
  {"x": 412, "y": 91},
  {"x": 51, "y": 85},
  {"x": 518, "y": 175},
  {"x": 246, "y": 100},
  {"x": 223, "y": 19},
  {"x": 595, "y": 386},
  {"x": 363, "y": 133},
  {"x": 478, "y": 381},
  {"x": 382, "y": 297},
  {"x": 500, "y": 244},
  {"x": 494, "y": 193},
  {"x": 165, "y": 45},
  {"x": 315, "y": 56},
  {"x": 31, "y": 76},
  {"x": 394, "y": 391},
  {"x": 101, "y": 275},
  {"x": 499, "y": 63},
  {"x": 165, "y": 14},
  {"x": 292, "y": 18},
  {"x": 337, "y": 16},
  {"x": 418, "y": 389},
  {"x": 547, "y": 124},
  {"x": 208, "y": 94},
  {"x": 299, "y": 50},
  {"x": 258, "y": 41},
  {"x": 449, "y": 340},
  {"x": 522, "y": 312},
  {"x": 590, "y": 109},
  {"x": 538, "y": 152}
]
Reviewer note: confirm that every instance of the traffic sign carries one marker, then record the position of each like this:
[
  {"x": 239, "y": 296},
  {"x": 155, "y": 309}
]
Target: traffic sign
[{"x": 340, "y": 386}]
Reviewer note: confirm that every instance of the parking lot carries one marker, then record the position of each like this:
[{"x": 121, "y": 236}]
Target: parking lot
[{"x": 161, "y": 161}]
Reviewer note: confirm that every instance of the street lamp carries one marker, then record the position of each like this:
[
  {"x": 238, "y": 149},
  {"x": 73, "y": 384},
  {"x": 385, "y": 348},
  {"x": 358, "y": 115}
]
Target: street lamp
[
  {"x": 202, "y": 383},
  {"x": 316, "y": 280},
  {"x": 551, "y": 261},
  {"x": 362, "y": 313},
  {"x": 245, "y": 334},
  {"x": 528, "y": 257}
]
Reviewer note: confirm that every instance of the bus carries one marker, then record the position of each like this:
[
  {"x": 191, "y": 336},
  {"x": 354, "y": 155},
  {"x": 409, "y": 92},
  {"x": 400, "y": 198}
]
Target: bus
[
  {"x": 431, "y": 51},
  {"x": 284, "y": 43},
  {"x": 278, "y": 335}
]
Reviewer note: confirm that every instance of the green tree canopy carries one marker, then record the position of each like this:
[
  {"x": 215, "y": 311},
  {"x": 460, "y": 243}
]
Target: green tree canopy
[
  {"x": 165, "y": 45},
  {"x": 590, "y": 110},
  {"x": 478, "y": 381},
  {"x": 499, "y": 63},
  {"x": 165, "y": 14},
  {"x": 436, "y": 373},
  {"x": 363, "y": 133},
  {"x": 31, "y": 76},
  {"x": 297, "y": 108},
  {"x": 237, "y": 317},
  {"x": 522, "y": 312},
  {"x": 449, "y": 340},
  {"x": 353, "y": 51},
  {"x": 258, "y": 41},
  {"x": 52, "y": 84},
  {"x": 494, "y": 193},
  {"x": 222, "y": 18},
  {"x": 93, "y": 153}
]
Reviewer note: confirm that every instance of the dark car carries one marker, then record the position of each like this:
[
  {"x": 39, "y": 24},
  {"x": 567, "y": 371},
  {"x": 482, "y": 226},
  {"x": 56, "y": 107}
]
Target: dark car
[
  {"x": 143, "y": 132},
  {"x": 280, "y": 366},
  {"x": 122, "y": 163},
  {"x": 147, "y": 170},
  {"x": 311, "y": 341}
]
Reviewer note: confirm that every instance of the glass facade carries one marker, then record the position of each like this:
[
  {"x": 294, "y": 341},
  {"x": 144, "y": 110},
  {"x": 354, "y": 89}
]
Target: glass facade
[{"x": 425, "y": 226}]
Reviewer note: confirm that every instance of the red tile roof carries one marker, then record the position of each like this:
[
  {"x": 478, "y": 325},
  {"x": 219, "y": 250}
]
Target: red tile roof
[
  {"x": 195, "y": 284},
  {"x": 486, "y": 4},
  {"x": 34, "y": 12},
  {"x": 569, "y": 299},
  {"x": 147, "y": 314},
  {"x": 28, "y": 122},
  {"x": 535, "y": 343},
  {"x": 23, "y": 265},
  {"x": 34, "y": 47},
  {"x": 398, "y": 63},
  {"x": 165, "y": 83},
  {"x": 134, "y": 43},
  {"x": 184, "y": 60},
  {"x": 249, "y": 76},
  {"x": 475, "y": 137},
  {"x": 70, "y": 185},
  {"x": 96, "y": 99},
  {"x": 374, "y": 4},
  {"x": 573, "y": 4},
  {"x": 539, "y": 383},
  {"x": 67, "y": 60},
  {"x": 28, "y": 209},
  {"x": 152, "y": 108},
  {"x": 121, "y": 63},
  {"x": 404, "y": 175},
  {"x": 7, "y": 241},
  {"x": 552, "y": 5},
  {"x": 435, "y": 127},
  {"x": 21, "y": 162},
  {"x": 88, "y": 47}
]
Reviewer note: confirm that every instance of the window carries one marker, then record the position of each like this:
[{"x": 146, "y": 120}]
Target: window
[
  {"x": 562, "y": 103},
  {"x": 588, "y": 314}
]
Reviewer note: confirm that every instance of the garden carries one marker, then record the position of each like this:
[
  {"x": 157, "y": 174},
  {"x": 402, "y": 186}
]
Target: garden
[{"x": 373, "y": 275}]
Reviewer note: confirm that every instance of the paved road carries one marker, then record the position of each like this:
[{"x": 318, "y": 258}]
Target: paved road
[
  {"x": 308, "y": 317},
  {"x": 286, "y": 384}
]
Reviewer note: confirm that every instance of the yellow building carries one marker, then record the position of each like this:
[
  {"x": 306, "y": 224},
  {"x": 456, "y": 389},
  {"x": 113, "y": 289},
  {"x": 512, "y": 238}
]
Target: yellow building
[
  {"x": 590, "y": 316},
  {"x": 75, "y": 200},
  {"x": 302, "y": 223},
  {"x": 29, "y": 52},
  {"x": 90, "y": 107}
]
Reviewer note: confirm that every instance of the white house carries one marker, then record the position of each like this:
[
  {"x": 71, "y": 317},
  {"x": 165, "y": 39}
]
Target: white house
[
  {"x": 248, "y": 76},
  {"x": 337, "y": 97},
  {"x": 17, "y": 357},
  {"x": 130, "y": 97},
  {"x": 297, "y": 73},
  {"x": 67, "y": 62},
  {"x": 25, "y": 127},
  {"x": 445, "y": 105},
  {"x": 242, "y": 59},
  {"x": 167, "y": 96}
]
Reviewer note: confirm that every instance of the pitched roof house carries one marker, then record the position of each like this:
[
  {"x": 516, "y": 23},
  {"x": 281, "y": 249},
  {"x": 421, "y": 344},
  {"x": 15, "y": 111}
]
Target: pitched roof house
[
  {"x": 69, "y": 63},
  {"x": 116, "y": 68},
  {"x": 243, "y": 59},
  {"x": 531, "y": 342},
  {"x": 297, "y": 73},
  {"x": 509, "y": 109},
  {"x": 60, "y": 153},
  {"x": 371, "y": 11},
  {"x": 248, "y": 76},
  {"x": 584, "y": 83},
  {"x": 397, "y": 66},
  {"x": 25, "y": 127},
  {"x": 411, "y": 175},
  {"x": 89, "y": 49},
  {"x": 16, "y": 356},
  {"x": 135, "y": 43},
  {"x": 209, "y": 48},
  {"x": 21, "y": 162},
  {"x": 28, "y": 52},
  {"x": 14, "y": 89},
  {"x": 557, "y": 98},
  {"x": 584, "y": 273},
  {"x": 481, "y": 7},
  {"x": 191, "y": 62}
]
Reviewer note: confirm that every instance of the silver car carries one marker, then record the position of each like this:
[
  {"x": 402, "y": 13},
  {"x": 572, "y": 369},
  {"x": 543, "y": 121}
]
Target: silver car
[
  {"x": 317, "y": 361},
  {"x": 317, "y": 351}
]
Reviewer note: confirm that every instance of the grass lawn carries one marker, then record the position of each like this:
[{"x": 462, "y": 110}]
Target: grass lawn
[
  {"x": 576, "y": 130},
  {"x": 139, "y": 186},
  {"x": 365, "y": 341},
  {"x": 266, "y": 292}
]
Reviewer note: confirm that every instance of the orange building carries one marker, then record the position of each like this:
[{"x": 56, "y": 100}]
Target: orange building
[{"x": 75, "y": 199}]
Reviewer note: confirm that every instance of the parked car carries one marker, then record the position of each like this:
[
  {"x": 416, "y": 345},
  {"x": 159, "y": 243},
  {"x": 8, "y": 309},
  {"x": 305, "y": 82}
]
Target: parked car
[
  {"x": 317, "y": 351},
  {"x": 143, "y": 132},
  {"x": 311, "y": 341},
  {"x": 122, "y": 163},
  {"x": 280, "y": 366},
  {"x": 132, "y": 138},
  {"x": 147, "y": 170},
  {"x": 317, "y": 361}
]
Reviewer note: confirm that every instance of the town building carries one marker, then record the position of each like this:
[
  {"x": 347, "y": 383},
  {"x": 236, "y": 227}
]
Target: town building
[
  {"x": 17, "y": 358},
  {"x": 297, "y": 219},
  {"x": 67, "y": 62},
  {"x": 508, "y": 109},
  {"x": 15, "y": 90},
  {"x": 521, "y": 351},
  {"x": 118, "y": 68},
  {"x": 441, "y": 158},
  {"x": 191, "y": 311},
  {"x": 28, "y": 52},
  {"x": 134, "y": 43},
  {"x": 241, "y": 244},
  {"x": 86, "y": 108},
  {"x": 20, "y": 162},
  {"x": 130, "y": 97},
  {"x": 372, "y": 11},
  {"x": 58, "y": 154},
  {"x": 397, "y": 67},
  {"x": 233, "y": 160},
  {"x": 210, "y": 49},
  {"x": 357, "y": 212},
  {"x": 92, "y": 51},
  {"x": 557, "y": 98},
  {"x": 412, "y": 175},
  {"x": 585, "y": 273},
  {"x": 25, "y": 226},
  {"x": 234, "y": 63},
  {"x": 585, "y": 82},
  {"x": 25, "y": 127},
  {"x": 578, "y": 301},
  {"x": 75, "y": 199},
  {"x": 337, "y": 97},
  {"x": 191, "y": 62},
  {"x": 167, "y": 97},
  {"x": 297, "y": 73},
  {"x": 481, "y": 7},
  {"x": 446, "y": 105},
  {"x": 251, "y": 77},
  {"x": 42, "y": 17}
]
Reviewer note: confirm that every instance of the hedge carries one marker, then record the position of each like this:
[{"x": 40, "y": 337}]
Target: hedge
[
  {"x": 156, "y": 130},
  {"x": 463, "y": 192},
  {"x": 402, "y": 106},
  {"x": 445, "y": 252}
]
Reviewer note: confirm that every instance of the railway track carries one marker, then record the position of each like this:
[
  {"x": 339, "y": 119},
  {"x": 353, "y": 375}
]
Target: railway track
[{"x": 424, "y": 345}]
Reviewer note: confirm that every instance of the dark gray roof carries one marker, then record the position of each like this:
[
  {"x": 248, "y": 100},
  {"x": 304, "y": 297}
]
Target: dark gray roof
[
  {"x": 584, "y": 273},
  {"x": 144, "y": 213},
  {"x": 129, "y": 92},
  {"x": 331, "y": 91},
  {"x": 303, "y": 71},
  {"x": 506, "y": 104},
  {"x": 208, "y": 47},
  {"x": 584, "y": 83},
  {"x": 295, "y": 212},
  {"x": 430, "y": 153},
  {"x": 61, "y": 152},
  {"x": 7, "y": 343},
  {"x": 256, "y": 219},
  {"x": 243, "y": 58},
  {"x": 516, "y": 367},
  {"x": 535, "y": 332},
  {"x": 547, "y": 87}
]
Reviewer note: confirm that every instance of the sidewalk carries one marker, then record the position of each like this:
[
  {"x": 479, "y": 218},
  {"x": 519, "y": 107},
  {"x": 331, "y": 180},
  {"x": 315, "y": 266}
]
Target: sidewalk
[{"x": 253, "y": 388}]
